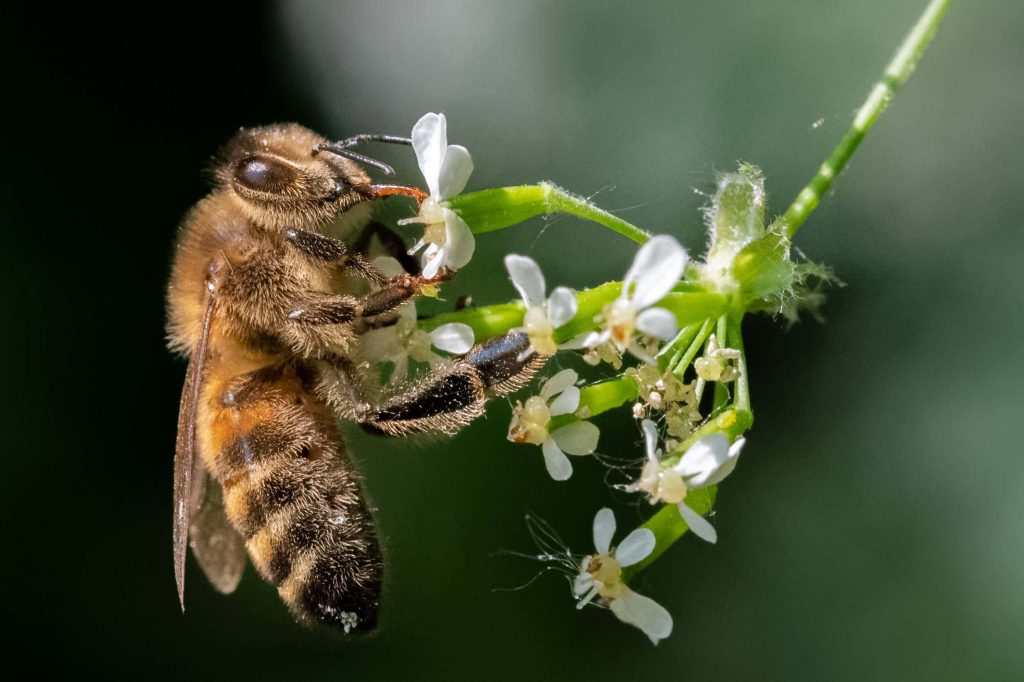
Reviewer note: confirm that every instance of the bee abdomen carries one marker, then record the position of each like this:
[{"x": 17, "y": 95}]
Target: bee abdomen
[{"x": 293, "y": 494}]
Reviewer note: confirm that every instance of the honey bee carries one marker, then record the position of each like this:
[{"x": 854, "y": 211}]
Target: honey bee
[{"x": 257, "y": 302}]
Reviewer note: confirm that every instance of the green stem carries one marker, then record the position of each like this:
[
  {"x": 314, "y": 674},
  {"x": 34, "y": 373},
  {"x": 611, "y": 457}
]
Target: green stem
[
  {"x": 689, "y": 307},
  {"x": 494, "y": 209},
  {"x": 668, "y": 526},
  {"x": 721, "y": 398},
  {"x": 597, "y": 398},
  {"x": 742, "y": 401},
  {"x": 670, "y": 354},
  {"x": 896, "y": 74},
  {"x": 680, "y": 366}
]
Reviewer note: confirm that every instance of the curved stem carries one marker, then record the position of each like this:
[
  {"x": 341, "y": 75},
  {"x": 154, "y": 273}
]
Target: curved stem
[
  {"x": 896, "y": 74},
  {"x": 494, "y": 209}
]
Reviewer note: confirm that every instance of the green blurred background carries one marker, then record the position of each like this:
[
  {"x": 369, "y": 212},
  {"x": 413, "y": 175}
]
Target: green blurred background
[{"x": 875, "y": 525}]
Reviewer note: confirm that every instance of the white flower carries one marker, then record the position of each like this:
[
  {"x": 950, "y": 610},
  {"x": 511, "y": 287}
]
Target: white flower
[
  {"x": 714, "y": 364},
  {"x": 404, "y": 340},
  {"x": 446, "y": 169},
  {"x": 656, "y": 268},
  {"x": 705, "y": 463},
  {"x": 543, "y": 316},
  {"x": 601, "y": 576},
  {"x": 558, "y": 396}
]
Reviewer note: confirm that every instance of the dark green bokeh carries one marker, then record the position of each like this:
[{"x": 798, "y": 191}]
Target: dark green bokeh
[{"x": 872, "y": 530}]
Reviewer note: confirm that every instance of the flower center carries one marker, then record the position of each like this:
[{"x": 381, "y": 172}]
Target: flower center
[
  {"x": 530, "y": 421},
  {"x": 607, "y": 574},
  {"x": 539, "y": 330},
  {"x": 662, "y": 486},
  {"x": 432, "y": 215},
  {"x": 621, "y": 320}
]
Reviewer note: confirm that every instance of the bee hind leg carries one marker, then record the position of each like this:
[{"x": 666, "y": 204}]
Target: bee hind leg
[{"x": 447, "y": 400}]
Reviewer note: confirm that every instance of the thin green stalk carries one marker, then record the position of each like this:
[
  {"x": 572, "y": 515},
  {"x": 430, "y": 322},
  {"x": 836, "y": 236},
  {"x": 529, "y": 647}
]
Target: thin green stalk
[
  {"x": 721, "y": 398},
  {"x": 896, "y": 74},
  {"x": 742, "y": 400},
  {"x": 597, "y": 398},
  {"x": 670, "y": 354},
  {"x": 494, "y": 209},
  {"x": 689, "y": 307},
  {"x": 560, "y": 200},
  {"x": 679, "y": 367}
]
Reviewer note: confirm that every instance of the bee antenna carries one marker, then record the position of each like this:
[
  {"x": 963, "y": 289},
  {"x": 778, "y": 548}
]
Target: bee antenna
[
  {"x": 341, "y": 148},
  {"x": 355, "y": 156},
  {"x": 372, "y": 137}
]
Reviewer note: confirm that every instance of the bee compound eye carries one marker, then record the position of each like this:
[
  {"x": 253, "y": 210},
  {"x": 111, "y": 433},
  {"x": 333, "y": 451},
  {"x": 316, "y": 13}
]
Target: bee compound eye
[{"x": 263, "y": 174}]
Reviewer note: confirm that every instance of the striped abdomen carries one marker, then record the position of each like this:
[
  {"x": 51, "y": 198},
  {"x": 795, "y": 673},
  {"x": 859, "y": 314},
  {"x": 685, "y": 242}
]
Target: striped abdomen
[{"x": 293, "y": 494}]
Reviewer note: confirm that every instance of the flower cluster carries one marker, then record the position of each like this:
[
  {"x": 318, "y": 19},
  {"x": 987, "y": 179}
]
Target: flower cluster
[
  {"x": 687, "y": 448},
  {"x": 666, "y": 392}
]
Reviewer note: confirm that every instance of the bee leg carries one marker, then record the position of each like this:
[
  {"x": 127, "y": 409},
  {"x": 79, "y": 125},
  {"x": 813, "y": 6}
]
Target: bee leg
[
  {"x": 326, "y": 251},
  {"x": 452, "y": 397},
  {"x": 338, "y": 309}
]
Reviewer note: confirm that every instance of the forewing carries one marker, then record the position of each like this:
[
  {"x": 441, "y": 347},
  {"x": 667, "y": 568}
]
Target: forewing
[
  {"x": 185, "y": 449},
  {"x": 215, "y": 543}
]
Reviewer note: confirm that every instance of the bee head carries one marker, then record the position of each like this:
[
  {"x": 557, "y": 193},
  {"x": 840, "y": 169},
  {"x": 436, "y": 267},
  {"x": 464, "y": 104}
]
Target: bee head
[{"x": 282, "y": 182}]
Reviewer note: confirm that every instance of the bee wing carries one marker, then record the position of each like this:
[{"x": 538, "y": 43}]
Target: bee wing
[
  {"x": 185, "y": 449},
  {"x": 215, "y": 543}
]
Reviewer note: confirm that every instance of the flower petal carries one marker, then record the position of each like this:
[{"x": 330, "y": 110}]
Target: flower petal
[
  {"x": 388, "y": 266},
  {"x": 456, "y": 167},
  {"x": 650, "y": 430},
  {"x": 557, "y": 463},
  {"x": 640, "y": 354},
  {"x": 561, "y": 306},
  {"x": 429, "y": 140},
  {"x": 526, "y": 278},
  {"x": 604, "y": 529},
  {"x": 644, "y": 613},
  {"x": 582, "y": 584},
  {"x": 635, "y": 548},
  {"x": 657, "y": 322},
  {"x": 700, "y": 526},
  {"x": 566, "y": 402},
  {"x": 380, "y": 344},
  {"x": 432, "y": 262},
  {"x": 558, "y": 383},
  {"x": 453, "y": 337},
  {"x": 584, "y": 340},
  {"x": 460, "y": 242},
  {"x": 728, "y": 465},
  {"x": 578, "y": 438},
  {"x": 657, "y": 267},
  {"x": 703, "y": 459}
]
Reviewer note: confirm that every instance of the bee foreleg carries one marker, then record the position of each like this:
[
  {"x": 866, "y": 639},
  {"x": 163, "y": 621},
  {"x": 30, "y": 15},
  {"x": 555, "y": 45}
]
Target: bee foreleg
[{"x": 324, "y": 250}]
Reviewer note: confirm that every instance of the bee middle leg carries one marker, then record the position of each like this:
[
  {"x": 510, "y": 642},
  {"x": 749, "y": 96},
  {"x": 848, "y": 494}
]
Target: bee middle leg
[
  {"x": 326, "y": 324},
  {"x": 339, "y": 309}
]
